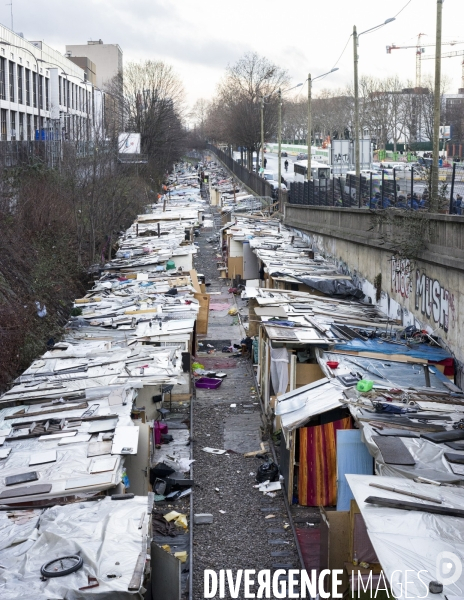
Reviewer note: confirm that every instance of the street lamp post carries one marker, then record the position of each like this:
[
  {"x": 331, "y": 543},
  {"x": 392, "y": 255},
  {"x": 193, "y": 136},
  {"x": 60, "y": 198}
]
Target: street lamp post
[
  {"x": 262, "y": 131},
  {"x": 279, "y": 138},
  {"x": 436, "y": 112},
  {"x": 356, "y": 37},
  {"x": 310, "y": 82}
]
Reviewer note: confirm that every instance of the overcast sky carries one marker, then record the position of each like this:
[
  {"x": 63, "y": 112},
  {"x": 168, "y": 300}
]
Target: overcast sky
[{"x": 199, "y": 38}]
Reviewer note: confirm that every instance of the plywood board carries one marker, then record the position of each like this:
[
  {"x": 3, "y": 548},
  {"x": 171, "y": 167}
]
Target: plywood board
[
  {"x": 40, "y": 458},
  {"x": 194, "y": 278},
  {"x": 100, "y": 465},
  {"x": 307, "y": 373},
  {"x": 126, "y": 440},
  {"x": 99, "y": 448},
  {"x": 21, "y": 478},
  {"x": 203, "y": 313}
]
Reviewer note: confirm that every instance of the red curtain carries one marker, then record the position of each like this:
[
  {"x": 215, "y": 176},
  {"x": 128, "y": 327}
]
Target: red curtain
[{"x": 317, "y": 481}]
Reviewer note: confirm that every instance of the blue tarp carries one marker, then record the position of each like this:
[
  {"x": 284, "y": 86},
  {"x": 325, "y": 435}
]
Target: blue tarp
[
  {"x": 353, "y": 458},
  {"x": 424, "y": 351}
]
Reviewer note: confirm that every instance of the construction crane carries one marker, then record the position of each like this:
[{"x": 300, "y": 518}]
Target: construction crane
[
  {"x": 420, "y": 49},
  {"x": 450, "y": 55}
]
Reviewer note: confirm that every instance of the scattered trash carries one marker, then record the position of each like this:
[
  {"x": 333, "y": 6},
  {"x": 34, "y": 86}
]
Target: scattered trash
[
  {"x": 268, "y": 471},
  {"x": 182, "y": 556},
  {"x": 216, "y": 489},
  {"x": 41, "y": 310},
  {"x": 214, "y": 450},
  {"x": 269, "y": 517},
  {"x": 233, "y": 406},
  {"x": 179, "y": 519},
  {"x": 232, "y": 311},
  {"x": 223, "y": 512},
  {"x": 202, "y": 518}
]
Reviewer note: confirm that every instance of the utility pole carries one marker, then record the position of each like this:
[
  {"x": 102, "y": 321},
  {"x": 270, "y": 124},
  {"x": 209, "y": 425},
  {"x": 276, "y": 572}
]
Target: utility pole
[
  {"x": 436, "y": 111},
  {"x": 262, "y": 132},
  {"x": 279, "y": 142},
  {"x": 356, "y": 102},
  {"x": 308, "y": 173}
]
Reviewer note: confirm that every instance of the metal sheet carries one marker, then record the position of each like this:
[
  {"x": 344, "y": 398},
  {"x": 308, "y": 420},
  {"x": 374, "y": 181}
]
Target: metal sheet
[
  {"x": 26, "y": 490},
  {"x": 89, "y": 481},
  {"x": 393, "y": 450},
  {"x": 165, "y": 574},
  {"x": 107, "y": 425},
  {"x": 21, "y": 478}
]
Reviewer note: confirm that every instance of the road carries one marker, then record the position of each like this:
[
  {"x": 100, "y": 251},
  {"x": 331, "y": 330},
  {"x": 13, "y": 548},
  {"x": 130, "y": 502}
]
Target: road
[{"x": 273, "y": 165}]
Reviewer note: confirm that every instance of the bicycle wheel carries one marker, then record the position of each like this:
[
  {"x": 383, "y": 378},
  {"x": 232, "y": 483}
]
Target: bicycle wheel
[{"x": 59, "y": 567}]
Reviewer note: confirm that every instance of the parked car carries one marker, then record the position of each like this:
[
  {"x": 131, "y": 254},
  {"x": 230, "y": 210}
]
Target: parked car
[
  {"x": 302, "y": 156},
  {"x": 284, "y": 154}
]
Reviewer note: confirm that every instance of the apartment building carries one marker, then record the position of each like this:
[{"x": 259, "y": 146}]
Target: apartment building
[{"x": 44, "y": 95}]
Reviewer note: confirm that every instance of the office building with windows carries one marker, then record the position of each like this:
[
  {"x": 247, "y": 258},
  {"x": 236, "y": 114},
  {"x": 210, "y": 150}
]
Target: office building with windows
[{"x": 44, "y": 95}]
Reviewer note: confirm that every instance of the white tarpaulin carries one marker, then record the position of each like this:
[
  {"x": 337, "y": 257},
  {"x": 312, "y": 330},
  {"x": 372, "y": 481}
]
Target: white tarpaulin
[
  {"x": 408, "y": 542},
  {"x": 106, "y": 535}
]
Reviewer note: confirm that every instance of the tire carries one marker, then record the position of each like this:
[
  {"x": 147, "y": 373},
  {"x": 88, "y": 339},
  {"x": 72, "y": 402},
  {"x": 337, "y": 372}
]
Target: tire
[{"x": 47, "y": 571}]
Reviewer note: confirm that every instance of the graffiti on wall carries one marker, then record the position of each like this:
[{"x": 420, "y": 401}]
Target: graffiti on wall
[
  {"x": 434, "y": 301},
  {"x": 401, "y": 280}
]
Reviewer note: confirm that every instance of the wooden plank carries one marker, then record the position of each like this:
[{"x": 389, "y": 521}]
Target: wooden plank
[
  {"x": 393, "y": 450},
  {"x": 137, "y": 576},
  {"x": 405, "y": 492},
  {"x": 397, "y": 432},
  {"x": 203, "y": 313},
  {"x": 416, "y": 506},
  {"x": 26, "y": 490}
]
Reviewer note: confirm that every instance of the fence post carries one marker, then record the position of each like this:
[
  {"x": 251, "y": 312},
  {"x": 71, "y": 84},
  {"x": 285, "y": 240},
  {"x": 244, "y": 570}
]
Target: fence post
[
  {"x": 412, "y": 184},
  {"x": 394, "y": 184},
  {"x": 349, "y": 190},
  {"x": 452, "y": 189},
  {"x": 360, "y": 191},
  {"x": 333, "y": 191},
  {"x": 370, "y": 191},
  {"x": 341, "y": 190}
]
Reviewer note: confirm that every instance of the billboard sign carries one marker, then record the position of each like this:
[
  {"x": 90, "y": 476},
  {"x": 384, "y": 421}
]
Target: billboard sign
[{"x": 129, "y": 143}]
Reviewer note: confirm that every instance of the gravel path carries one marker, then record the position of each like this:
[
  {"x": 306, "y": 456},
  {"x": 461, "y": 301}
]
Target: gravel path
[{"x": 240, "y": 537}]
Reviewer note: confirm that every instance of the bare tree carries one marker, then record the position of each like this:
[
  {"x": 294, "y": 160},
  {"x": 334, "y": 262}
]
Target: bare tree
[{"x": 239, "y": 100}]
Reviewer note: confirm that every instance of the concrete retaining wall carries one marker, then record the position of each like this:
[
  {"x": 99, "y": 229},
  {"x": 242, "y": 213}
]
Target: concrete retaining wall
[{"x": 428, "y": 292}]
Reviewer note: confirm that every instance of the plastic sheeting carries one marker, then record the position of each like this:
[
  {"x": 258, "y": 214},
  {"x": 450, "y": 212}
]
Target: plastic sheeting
[
  {"x": 429, "y": 457},
  {"x": 407, "y": 542},
  {"x": 106, "y": 534},
  {"x": 279, "y": 369},
  {"x": 352, "y": 457},
  {"x": 425, "y": 351},
  {"x": 339, "y": 288},
  {"x": 298, "y": 406}
]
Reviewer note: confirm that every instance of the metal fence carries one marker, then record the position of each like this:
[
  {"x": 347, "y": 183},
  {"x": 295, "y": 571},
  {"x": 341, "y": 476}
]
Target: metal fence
[
  {"x": 407, "y": 189},
  {"x": 252, "y": 180}
]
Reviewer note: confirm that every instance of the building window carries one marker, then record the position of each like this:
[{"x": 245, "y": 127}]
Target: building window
[
  {"x": 3, "y": 124},
  {"x": 21, "y": 126},
  {"x": 34, "y": 89},
  {"x": 11, "y": 80},
  {"x": 35, "y": 135},
  {"x": 29, "y": 127},
  {"x": 67, "y": 93},
  {"x": 20, "y": 84},
  {"x": 2, "y": 79},
  {"x": 46, "y": 95},
  {"x": 12, "y": 125},
  {"x": 41, "y": 91},
  {"x": 28, "y": 87},
  {"x": 60, "y": 83}
]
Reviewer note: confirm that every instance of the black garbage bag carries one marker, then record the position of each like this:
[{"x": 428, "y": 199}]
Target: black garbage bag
[{"x": 268, "y": 471}]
